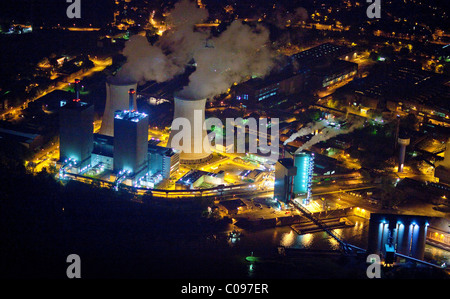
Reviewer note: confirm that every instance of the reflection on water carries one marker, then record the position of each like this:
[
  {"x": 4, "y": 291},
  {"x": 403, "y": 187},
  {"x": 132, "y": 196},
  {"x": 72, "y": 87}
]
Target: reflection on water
[
  {"x": 436, "y": 255},
  {"x": 357, "y": 235}
]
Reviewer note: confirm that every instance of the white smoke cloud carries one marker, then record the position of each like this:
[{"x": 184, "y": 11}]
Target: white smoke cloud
[
  {"x": 308, "y": 129},
  {"x": 237, "y": 54},
  {"x": 180, "y": 42},
  {"x": 146, "y": 62},
  {"x": 169, "y": 56},
  {"x": 330, "y": 132}
]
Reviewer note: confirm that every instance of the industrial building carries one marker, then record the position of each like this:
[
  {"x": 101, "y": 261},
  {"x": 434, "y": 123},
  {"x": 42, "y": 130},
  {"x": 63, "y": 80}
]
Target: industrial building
[
  {"x": 76, "y": 131},
  {"x": 285, "y": 171},
  {"x": 402, "y": 87},
  {"x": 103, "y": 151},
  {"x": 30, "y": 140},
  {"x": 160, "y": 160},
  {"x": 198, "y": 179},
  {"x": 258, "y": 90},
  {"x": 127, "y": 154},
  {"x": 392, "y": 234},
  {"x": 293, "y": 177},
  {"x": 315, "y": 68},
  {"x": 131, "y": 142},
  {"x": 303, "y": 180},
  {"x": 327, "y": 74},
  {"x": 326, "y": 51}
]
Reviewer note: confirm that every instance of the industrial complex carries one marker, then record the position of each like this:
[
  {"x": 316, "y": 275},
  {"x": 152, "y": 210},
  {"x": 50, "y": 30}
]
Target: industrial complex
[{"x": 243, "y": 141}]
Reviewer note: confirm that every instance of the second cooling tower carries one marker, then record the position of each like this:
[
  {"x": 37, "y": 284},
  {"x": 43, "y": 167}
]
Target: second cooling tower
[
  {"x": 116, "y": 99},
  {"x": 188, "y": 133}
]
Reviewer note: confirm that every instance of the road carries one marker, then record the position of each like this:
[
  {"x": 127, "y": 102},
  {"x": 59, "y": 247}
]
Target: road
[{"x": 99, "y": 65}]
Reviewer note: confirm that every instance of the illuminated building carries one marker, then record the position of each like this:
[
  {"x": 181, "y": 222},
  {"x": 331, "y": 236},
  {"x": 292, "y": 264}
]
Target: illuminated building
[
  {"x": 162, "y": 160},
  {"x": 330, "y": 73},
  {"x": 131, "y": 142},
  {"x": 103, "y": 152},
  {"x": 403, "y": 87},
  {"x": 196, "y": 179},
  {"x": 327, "y": 51},
  {"x": 304, "y": 162},
  {"x": 391, "y": 234},
  {"x": 258, "y": 90},
  {"x": 285, "y": 171},
  {"x": 76, "y": 131}
]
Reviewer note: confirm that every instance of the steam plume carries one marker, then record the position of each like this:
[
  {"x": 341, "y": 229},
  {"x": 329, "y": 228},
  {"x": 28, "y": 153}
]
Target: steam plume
[
  {"x": 237, "y": 54},
  {"x": 306, "y": 130},
  {"x": 330, "y": 132}
]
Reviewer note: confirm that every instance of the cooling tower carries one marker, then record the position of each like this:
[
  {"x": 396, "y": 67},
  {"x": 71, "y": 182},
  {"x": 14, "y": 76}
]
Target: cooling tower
[
  {"x": 117, "y": 98},
  {"x": 191, "y": 112}
]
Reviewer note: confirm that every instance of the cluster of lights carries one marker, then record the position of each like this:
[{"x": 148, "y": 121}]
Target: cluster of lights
[{"x": 67, "y": 164}]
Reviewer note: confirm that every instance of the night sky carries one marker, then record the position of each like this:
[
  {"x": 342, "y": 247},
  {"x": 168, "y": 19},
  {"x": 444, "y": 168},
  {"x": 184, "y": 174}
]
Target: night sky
[{"x": 53, "y": 12}]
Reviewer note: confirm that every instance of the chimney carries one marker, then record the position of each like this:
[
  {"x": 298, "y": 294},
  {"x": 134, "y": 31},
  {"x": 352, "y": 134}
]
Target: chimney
[
  {"x": 77, "y": 89},
  {"x": 132, "y": 92}
]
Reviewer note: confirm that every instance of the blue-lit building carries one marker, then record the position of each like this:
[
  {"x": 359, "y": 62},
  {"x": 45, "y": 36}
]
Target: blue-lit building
[
  {"x": 162, "y": 160},
  {"x": 392, "y": 234},
  {"x": 131, "y": 143},
  {"x": 293, "y": 177},
  {"x": 304, "y": 162},
  {"x": 76, "y": 132}
]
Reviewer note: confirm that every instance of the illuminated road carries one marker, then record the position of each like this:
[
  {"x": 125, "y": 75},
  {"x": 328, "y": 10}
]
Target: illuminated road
[{"x": 99, "y": 65}]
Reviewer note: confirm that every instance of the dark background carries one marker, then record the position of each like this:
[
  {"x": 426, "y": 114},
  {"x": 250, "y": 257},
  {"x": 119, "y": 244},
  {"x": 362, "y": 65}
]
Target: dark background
[{"x": 53, "y": 12}]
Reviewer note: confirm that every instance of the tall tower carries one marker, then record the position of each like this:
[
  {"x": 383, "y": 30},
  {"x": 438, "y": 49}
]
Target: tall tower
[
  {"x": 76, "y": 130},
  {"x": 285, "y": 172},
  {"x": 189, "y": 140},
  {"x": 303, "y": 179},
  {"x": 403, "y": 142},
  {"x": 116, "y": 99},
  {"x": 131, "y": 142}
]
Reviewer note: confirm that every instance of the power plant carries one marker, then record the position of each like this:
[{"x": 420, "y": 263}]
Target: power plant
[
  {"x": 127, "y": 156},
  {"x": 76, "y": 130},
  {"x": 188, "y": 134},
  {"x": 116, "y": 99}
]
